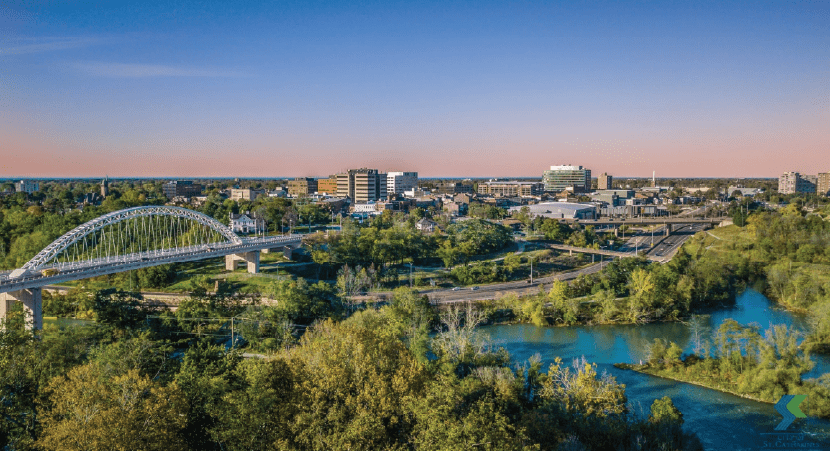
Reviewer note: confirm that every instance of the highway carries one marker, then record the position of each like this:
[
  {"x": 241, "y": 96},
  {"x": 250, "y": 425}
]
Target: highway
[{"x": 663, "y": 251}]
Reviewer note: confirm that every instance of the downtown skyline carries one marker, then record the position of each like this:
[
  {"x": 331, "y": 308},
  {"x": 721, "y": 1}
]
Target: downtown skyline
[{"x": 714, "y": 89}]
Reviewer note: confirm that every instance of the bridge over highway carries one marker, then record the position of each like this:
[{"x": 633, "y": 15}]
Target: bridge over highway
[
  {"x": 129, "y": 239},
  {"x": 670, "y": 224},
  {"x": 586, "y": 250}
]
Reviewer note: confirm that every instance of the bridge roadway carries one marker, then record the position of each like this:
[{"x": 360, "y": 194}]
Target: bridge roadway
[
  {"x": 585, "y": 250},
  {"x": 115, "y": 264},
  {"x": 651, "y": 221}
]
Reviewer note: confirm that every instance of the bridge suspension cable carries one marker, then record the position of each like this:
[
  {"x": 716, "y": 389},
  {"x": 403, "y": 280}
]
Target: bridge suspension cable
[{"x": 134, "y": 231}]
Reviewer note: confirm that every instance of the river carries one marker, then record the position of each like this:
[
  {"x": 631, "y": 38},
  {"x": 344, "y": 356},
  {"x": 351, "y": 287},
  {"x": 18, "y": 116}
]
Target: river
[{"x": 721, "y": 420}]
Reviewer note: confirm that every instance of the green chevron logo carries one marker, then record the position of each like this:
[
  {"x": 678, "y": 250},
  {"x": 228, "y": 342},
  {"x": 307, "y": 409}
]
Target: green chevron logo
[{"x": 788, "y": 407}]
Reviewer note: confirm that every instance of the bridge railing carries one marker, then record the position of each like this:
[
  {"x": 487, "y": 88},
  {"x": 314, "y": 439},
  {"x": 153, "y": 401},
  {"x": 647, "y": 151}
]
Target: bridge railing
[{"x": 220, "y": 248}]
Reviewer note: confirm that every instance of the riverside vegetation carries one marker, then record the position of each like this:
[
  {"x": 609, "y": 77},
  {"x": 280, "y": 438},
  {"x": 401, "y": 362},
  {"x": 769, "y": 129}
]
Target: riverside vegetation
[
  {"x": 378, "y": 379},
  {"x": 743, "y": 361}
]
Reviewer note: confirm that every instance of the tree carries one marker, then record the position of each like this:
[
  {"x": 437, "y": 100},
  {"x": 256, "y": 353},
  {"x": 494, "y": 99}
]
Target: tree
[
  {"x": 558, "y": 293},
  {"x": 578, "y": 389},
  {"x": 258, "y": 414},
  {"x": 124, "y": 412},
  {"x": 352, "y": 386},
  {"x": 448, "y": 253},
  {"x": 663, "y": 410},
  {"x": 698, "y": 330}
]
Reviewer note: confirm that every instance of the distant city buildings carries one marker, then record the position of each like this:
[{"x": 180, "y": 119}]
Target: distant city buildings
[
  {"x": 604, "y": 181},
  {"x": 248, "y": 194},
  {"x": 362, "y": 185},
  {"x": 794, "y": 182},
  {"x": 176, "y": 188},
  {"x": 822, "y": 184},
  {"x": 511, "y": 189},
  {"x": 559, "y": 210},
  {"x": 567, "y": 177},
  {"x": 746, "y": 192},
  {"x": 27, "y": 186},
  {"x": 279, "y": 192},
  {"x": 398, "y": 182},
  {"x": 302, "y": 186},
  {"x": 328, "y": 186},
  {"x": 446, "y": 187}
]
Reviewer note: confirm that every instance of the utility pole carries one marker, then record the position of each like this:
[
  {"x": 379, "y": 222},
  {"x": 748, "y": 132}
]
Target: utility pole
[{"x": 532, "y": 270}]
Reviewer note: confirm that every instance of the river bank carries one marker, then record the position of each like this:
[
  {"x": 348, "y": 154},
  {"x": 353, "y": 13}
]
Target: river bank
[{"x": 665, "y": 374}]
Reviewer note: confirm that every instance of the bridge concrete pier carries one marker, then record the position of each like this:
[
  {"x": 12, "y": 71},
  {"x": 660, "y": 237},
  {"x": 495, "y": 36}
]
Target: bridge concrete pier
[
  {"x": 252, "y": 259},
  {"x": 286, "y": 250},
  {"x": 32, "y": 299},
  {"x": 668, "y": 230}
]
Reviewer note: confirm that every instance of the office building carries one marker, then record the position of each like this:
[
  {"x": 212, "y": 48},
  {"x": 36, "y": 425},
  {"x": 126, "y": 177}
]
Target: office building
[
  {"x": 794, "y": 182},
  {"x": 302, "y": 186},
  {"x": 178, "y": 188},
  {"x": 362, "y": 185},
  {"x": 328, "y": 185},
  {"x": 567, "y": 177},
  {"x": 398, "y": 182},
  {"x": 604, "y": 181},
  {"x": 822, "y": 184},
  {"x": 26, "y": 186},
  {"x": 511, "y": 189},
  {"x": 449, "y": 187}
]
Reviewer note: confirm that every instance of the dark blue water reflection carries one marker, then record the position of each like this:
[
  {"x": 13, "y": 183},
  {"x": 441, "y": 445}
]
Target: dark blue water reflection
[{"x": 721, "y": 421}]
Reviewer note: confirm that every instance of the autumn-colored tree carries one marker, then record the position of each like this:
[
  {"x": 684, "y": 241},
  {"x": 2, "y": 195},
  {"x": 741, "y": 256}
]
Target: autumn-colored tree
[{"x": 125, "y": 412}]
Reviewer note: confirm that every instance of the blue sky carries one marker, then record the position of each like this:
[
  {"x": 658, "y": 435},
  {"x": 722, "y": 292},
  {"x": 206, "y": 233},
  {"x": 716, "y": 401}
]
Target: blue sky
[{"x": 444, "y": 88}]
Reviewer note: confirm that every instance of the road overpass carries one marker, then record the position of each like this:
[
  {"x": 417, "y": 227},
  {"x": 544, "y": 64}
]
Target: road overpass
[
  {"x": 586, "y": 250},
  {"x": 671, "y": 224},
  {"x": 129, "y": 239}
]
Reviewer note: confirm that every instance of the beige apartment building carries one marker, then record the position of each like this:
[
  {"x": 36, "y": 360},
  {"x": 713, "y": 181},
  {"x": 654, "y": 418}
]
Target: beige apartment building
[
  {"x": 511, "y": 189},
  {"x": 604, "y": 181},
  {"x": 302, "y": 186},
  {"x": 245, "y": 193},
  {"x": 822, "y": 184},
  {"x": 362, "y": 185}
]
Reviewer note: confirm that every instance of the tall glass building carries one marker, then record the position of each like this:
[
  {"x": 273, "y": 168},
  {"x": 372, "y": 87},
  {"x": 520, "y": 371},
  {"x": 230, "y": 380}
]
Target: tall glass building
[{"x": 559, "y": 178}]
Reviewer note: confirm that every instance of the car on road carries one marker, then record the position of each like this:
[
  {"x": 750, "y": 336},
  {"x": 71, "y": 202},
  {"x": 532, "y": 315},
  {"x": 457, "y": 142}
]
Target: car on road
[
  {"x": 454, "y": 289},
  {"x": 474, "y": 288}
]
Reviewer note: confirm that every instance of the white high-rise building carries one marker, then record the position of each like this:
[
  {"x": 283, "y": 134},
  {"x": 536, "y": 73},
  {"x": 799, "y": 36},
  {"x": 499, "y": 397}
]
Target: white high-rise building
[
  {"x": 398, "y": 182},
  {"x": 26, "y": 186}
]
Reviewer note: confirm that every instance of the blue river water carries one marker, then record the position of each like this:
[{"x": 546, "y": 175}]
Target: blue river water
[{"x": 721, "y": 420}]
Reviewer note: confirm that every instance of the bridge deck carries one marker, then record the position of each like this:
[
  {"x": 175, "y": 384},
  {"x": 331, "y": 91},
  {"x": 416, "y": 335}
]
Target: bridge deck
[
  {"x": 586, "y": 250},
  {"x": 99, "y": 267}
]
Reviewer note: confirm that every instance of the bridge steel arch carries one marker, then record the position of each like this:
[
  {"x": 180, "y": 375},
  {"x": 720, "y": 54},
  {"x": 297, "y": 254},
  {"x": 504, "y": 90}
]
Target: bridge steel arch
[{"x": 56, "y": 247}]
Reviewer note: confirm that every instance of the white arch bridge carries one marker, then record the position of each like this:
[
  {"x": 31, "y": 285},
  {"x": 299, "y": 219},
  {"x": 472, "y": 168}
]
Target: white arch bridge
[{"x": 129, "y": 239}]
